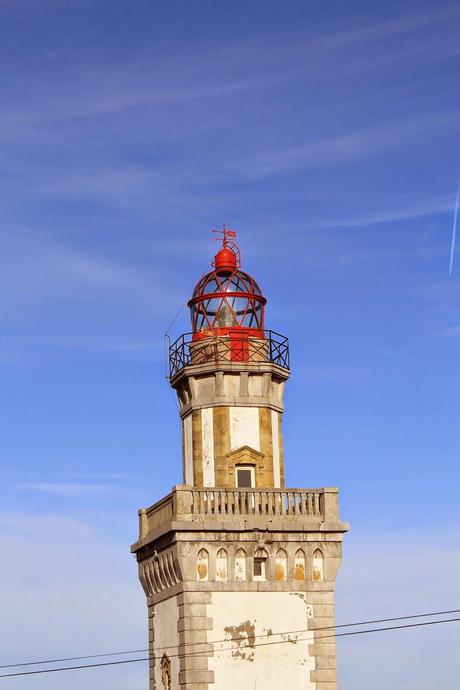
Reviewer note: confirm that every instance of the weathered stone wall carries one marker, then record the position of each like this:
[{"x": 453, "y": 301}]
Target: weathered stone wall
[
  {"x": 212, "y": 436},
  {"x": 226, "y": 408},
  {"x": 165, "y": 642},
  {"x": 261, "y": 640},
  {"x": 205, "y": 584}
]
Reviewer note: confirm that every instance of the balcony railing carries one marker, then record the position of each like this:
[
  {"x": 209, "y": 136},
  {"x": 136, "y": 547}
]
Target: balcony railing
[
  {"x": 186, "y": 351},
  {"x": 189, "y": 504}
]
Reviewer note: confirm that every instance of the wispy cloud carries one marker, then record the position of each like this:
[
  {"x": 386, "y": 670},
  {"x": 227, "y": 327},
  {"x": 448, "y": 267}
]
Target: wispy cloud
[
  {"x": 450, "y": 332},
  {"x": 34, "y": 267},
  {"x": 70, "y": 489},
  {"x": 395, "y": 209},
  {"x": 340, "y": 149}
]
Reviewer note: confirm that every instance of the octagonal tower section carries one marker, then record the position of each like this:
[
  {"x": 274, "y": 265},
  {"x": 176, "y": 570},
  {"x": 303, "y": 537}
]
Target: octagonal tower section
[{"x": 229, "y": 374}]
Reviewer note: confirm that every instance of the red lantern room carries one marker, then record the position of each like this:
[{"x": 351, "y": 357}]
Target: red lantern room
[
  {"x": 227, "y": 301},
  {"x": 227, "y": 310}
]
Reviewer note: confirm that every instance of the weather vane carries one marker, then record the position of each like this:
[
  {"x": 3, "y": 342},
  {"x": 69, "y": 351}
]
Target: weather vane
[{"x": 224, "y": 234}]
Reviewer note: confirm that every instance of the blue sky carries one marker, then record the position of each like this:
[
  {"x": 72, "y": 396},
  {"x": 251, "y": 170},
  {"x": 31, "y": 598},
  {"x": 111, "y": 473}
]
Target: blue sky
[{"x": 328, "y": 135}]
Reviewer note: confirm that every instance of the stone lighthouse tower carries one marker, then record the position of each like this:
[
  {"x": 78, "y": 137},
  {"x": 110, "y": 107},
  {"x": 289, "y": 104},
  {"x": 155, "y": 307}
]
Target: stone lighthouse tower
[{"x": 238, "y": 570}]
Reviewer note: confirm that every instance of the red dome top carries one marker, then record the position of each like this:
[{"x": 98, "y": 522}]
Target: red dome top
[
  {"x": 227, "y": 300},
  {"x": 225, "y": 259}
]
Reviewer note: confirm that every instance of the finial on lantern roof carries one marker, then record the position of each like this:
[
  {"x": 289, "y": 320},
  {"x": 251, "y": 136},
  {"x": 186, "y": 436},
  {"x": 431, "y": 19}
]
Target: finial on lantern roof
[{"x": 228, "y": 257}]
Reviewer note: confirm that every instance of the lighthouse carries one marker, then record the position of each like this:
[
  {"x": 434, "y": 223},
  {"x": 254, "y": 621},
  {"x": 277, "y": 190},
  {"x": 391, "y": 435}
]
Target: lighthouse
[{"x": 238, "y": 570}]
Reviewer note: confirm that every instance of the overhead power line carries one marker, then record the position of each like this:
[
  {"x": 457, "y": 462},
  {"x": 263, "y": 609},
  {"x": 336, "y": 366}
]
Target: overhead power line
[
  {"x": 241, "y": 646},
  {"x": 191, "y": 644}
]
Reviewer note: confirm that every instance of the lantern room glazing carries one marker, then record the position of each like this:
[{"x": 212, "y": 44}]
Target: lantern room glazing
[{"x": 227, "y": 300}]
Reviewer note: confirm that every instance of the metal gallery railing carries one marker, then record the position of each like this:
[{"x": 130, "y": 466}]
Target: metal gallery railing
[{"x": 187, "y": 350}]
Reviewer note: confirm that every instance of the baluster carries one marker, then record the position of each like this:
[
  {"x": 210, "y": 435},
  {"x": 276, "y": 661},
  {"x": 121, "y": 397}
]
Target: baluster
[
  {"x": 310, "y": 504},
  {"x": 296, "y": 497},
  {"x": 279, "y": 503},
  {"x": 263, "y": 503},
  {"x": 303, "y": 503},
  {"x": 317, "y": 509},
  {"x": 269, "y": 503},
  {"x": 223, "y": 507},
  {"x": 288, "y": 502}
]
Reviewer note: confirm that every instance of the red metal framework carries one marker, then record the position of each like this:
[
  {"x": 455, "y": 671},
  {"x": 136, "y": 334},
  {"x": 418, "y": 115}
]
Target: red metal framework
[{"x": 227, "y": 301}]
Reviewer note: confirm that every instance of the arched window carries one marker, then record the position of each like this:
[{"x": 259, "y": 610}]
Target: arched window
[
  {"x": 281, "y": 565},
  {"x": 240, "y": 566},
  {"x": 166, "y": 672},
  {"x": 221, "y": 565},
  {"x": 202, "y": 566},
  {"x": 299, "y": 566},
  {"x": 260, "y": 563},
  {"x": 318, "y": 565}
]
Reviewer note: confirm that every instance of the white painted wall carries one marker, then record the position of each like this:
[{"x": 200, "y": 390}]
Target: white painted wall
[
  {"x": 276, "y": 450},
  {"x": 244, "y": 427},
  {"x": 188, "y": 450},
  {"x": 207, "y": 440},
  {"x": 166, "y": 635},
  {"x": 269, "y": 666}
]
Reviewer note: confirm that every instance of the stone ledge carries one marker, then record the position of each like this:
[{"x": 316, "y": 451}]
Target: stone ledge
[
  {"x": 329, "y": 676},
  {"x": 218, "y": 523},
  {"x": 192, "y": 676},
  {"x": 196, "y": 623}
]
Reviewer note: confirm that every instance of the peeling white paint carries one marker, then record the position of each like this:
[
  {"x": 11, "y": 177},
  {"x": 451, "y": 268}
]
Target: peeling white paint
[
  {"x": 244, "y": 660},
  {"x": 221, "y": 565},
  {"x": 318, "y": 565},
  {"x": 188, "y": 450},
  {"x": 244, "y": 427},
  {"x": 240, "y": 566},
  {"x": 166, "y": 636},
  {"x": 276, "y": 450},
  {"x": 207, "y": 440}
]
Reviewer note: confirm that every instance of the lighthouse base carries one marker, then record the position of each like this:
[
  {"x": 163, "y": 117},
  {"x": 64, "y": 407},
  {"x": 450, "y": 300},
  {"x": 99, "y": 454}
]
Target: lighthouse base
[{"x": 241, "y": 601}]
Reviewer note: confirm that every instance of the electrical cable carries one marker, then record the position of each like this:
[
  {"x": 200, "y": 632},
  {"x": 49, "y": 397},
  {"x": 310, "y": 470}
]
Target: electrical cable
[
  {"x": 187, "y": 654},
  {"x": 191, "y": 644}
]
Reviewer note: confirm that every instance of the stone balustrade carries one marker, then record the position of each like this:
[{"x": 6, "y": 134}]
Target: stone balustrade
[{"x": 188, "y": 504}]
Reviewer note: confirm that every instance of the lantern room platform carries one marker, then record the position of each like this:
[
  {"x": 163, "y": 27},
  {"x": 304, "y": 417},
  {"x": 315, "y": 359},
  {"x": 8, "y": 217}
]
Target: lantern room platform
[{"x": 188, "y": 350}]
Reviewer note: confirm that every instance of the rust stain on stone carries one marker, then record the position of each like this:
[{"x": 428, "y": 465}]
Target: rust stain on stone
[
  {"x": 202, "y": 571},
  {"x": 299, "y": 572},
  {"x": 317, "y": 574},
  {"x": 279, "y": 572}
]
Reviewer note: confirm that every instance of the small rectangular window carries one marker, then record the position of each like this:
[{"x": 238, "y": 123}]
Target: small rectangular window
[
  {"x": 245, "y": 477},
  {"x": 259, "y": 568}
]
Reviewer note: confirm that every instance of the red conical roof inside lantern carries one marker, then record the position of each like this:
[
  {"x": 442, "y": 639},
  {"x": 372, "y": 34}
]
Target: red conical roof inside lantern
[{"x": 227, "y": 300}]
